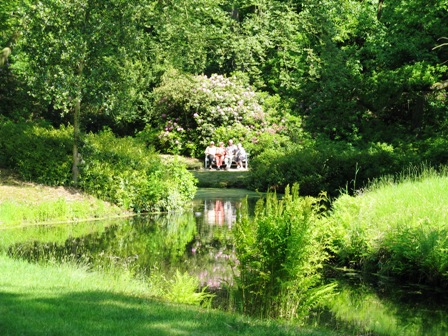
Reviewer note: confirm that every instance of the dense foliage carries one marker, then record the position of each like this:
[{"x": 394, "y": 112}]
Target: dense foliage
[
  {"x": 304, "y": 85},
  {"x": 119, "y": 170},
  {"x": 125, "y": 172},
  {"x": 192, "y": 110}
]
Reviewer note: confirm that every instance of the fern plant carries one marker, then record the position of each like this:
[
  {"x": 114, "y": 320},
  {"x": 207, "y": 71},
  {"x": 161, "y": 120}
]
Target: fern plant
[{"x": 281, "y": 252}]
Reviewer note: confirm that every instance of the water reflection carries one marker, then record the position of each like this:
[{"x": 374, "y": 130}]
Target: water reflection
[
  {"x": 199, "y": 242},
  {"x": 212, "y": 251},
  {"x": 390, "y": 310}
]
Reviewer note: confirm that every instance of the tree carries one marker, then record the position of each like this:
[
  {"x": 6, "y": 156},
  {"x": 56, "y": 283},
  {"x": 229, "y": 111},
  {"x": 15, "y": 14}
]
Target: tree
[
  {"x": 81, "y": 52},
  {"x": 188, "y": 35}
]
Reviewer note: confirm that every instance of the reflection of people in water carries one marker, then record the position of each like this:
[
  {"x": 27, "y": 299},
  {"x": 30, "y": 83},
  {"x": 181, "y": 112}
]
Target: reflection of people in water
[{"x": 219, "y": 212}]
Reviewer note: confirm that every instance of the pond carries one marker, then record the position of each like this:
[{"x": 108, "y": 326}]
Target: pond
[{"x": 200, "y": 242}]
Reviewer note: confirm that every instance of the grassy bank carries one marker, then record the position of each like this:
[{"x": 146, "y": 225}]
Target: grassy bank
[
  {"x": 397, "y": 229},
  {"x": 68, "y": 300},
  {"x": 23, "y": 203}
]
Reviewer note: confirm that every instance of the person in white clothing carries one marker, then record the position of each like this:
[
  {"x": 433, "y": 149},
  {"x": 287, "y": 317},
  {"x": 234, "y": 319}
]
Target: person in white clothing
[
  {"x": 240, "y": 156},
  {"x": 210, "y": 153},
  {"x": 230, "y": 152}
]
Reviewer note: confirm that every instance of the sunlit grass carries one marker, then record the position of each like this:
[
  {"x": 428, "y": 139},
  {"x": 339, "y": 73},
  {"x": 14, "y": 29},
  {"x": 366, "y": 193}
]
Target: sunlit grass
[
  {"x": 69, "y": 300},
  {"x": 398, "y": 227},
  {"x": 24, "y": 203},
  {"x": 13, "y": 213},
  {"x": 409, "y": 203}
]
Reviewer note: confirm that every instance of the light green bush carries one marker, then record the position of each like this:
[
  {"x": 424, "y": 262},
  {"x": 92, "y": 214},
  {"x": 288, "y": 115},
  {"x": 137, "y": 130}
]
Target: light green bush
[{"x": 37, "y": 152}]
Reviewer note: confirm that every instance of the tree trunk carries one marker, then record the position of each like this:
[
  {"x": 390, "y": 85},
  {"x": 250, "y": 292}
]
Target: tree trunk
[
  {"x": 76, "y": 132},
  {"x": 77, "y": 128}
]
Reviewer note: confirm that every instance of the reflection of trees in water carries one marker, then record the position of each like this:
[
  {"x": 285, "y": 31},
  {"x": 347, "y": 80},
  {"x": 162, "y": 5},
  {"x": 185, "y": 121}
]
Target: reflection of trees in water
[
  {"x": 137, "y": 244},
  {"x": 199, "y": 242}
]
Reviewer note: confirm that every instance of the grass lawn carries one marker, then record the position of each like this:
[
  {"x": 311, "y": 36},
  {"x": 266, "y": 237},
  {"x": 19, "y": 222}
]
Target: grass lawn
[
  {"x": 69, "y": 300},
  {"x": 222, "y": 179}
]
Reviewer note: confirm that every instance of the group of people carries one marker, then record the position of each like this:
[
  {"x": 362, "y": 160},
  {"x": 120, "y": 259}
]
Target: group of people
[{"x": 225, "y": 155}]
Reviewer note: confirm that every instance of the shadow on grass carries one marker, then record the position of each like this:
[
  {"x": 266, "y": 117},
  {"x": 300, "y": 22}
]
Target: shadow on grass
[
  {"x": 103, "y": 313},
  {"x": 222, "y": 179}
]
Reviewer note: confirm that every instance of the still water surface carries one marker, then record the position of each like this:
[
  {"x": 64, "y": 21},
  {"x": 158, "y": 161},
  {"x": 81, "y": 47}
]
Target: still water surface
[{"x": 200, "y": 242}]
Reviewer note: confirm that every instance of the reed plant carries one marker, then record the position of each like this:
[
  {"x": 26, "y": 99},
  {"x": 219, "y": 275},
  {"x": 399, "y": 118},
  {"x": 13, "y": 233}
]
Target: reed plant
[
  {"x": 397, "y": 227},
  {"x": 281, "y": 252}
]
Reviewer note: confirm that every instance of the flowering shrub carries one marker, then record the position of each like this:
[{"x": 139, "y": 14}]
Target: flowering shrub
[{"x": 192, "y": 110}]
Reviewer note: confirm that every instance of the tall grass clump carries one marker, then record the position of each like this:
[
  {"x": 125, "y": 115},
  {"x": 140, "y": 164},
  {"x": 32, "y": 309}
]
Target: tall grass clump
[
  {"x": 397, "y": 228},
  {"x": 281, "y": 252}
]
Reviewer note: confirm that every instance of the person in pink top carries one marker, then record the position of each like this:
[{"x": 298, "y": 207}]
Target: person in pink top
[{"x": 220, "y": 155}]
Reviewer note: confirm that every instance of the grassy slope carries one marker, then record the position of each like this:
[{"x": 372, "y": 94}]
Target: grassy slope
[{"x": 30, "y": 203}]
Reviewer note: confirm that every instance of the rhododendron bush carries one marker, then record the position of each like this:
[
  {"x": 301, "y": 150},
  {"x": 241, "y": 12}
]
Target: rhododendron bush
[{"x": 192, "y": 110}]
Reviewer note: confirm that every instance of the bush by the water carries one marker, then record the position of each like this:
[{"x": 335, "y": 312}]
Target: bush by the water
[
  {"x": 331, "y": 166},
  {"x": 120, "y": 170},
  {"x": 127, "y": 173},
  {"x": 396, "y": 229},
  {"x": 281, "y": 252}
]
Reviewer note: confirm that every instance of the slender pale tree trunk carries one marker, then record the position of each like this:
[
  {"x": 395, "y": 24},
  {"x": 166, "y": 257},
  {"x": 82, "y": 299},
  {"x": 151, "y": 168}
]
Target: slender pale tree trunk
[
  {"x": 77, "y": 128},
  {"x": 75, "y": 167}
]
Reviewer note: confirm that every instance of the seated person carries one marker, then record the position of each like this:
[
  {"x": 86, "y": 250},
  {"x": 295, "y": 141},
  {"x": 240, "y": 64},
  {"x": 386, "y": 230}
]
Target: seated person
[
  {"x": 220, "y": 155},
  {"x": 230, "y": 152},
  {"x": 210, "y": 153},
  {"x": 240, "y": 156}
]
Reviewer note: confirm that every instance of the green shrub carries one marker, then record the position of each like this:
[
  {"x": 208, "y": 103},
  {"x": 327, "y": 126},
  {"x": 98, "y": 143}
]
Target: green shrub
[
  {"x": 125, "y": 172},
  {"x": 281, "y": 252},
  {"x": 37, "y": 152},
  {"x": 326, "y": 166},
  {"x": 122, "y": 171}
]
